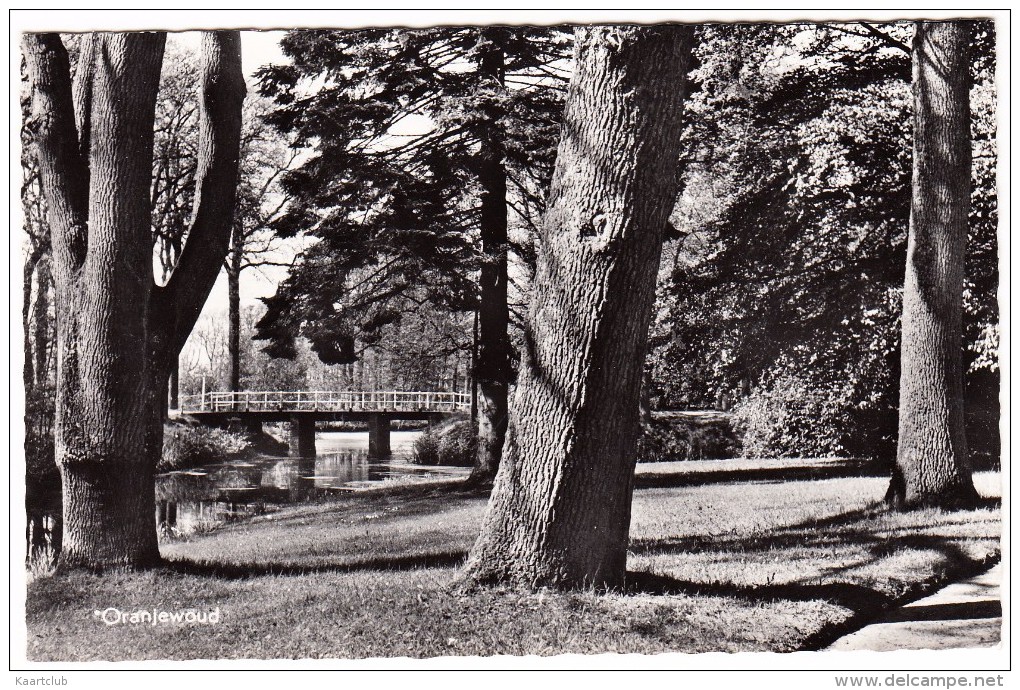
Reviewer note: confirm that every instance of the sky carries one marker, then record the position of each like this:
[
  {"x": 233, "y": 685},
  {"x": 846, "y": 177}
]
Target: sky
[{"x": 258, "y": 48}]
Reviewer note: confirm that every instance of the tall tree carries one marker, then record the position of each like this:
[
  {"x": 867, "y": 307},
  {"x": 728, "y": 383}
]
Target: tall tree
[
  {"x": 559, "y": 514},
  {"x": 265, "y": 157},
  {"x": 781, "y": 292},
  {"x": 932, "y": 466},
  {"x": 118, "y": 332},
  {"x": 424, "y": 193}
]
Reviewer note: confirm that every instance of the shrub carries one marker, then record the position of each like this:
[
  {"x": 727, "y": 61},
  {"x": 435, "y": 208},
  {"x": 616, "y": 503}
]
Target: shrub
[
  {"x": 40, "y": 466},
  {"x": 453, "y": 444},
  {"x": 189, "y": 446},
  {"x": 426, "y": 449},
  {"x": 458, "y": 445},
  {"x": 41, "y": 474},
  {"x": 687, "y": 438},
  {"x": 794, "y": 417}
]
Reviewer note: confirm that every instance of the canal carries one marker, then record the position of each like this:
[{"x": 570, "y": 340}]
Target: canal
[{"x": 198, "y": 499}]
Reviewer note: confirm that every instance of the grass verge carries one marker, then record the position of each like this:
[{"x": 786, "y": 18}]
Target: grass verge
[{"x": 768, "y": 556}]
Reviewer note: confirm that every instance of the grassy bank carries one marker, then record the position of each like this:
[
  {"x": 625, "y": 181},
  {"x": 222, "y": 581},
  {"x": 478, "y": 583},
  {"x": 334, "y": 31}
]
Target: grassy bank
[{"x": 725, "y": 556}]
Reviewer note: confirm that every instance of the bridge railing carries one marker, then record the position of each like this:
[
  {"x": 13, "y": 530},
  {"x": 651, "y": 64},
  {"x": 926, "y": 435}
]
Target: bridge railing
[{"x": 326, "y": 401}]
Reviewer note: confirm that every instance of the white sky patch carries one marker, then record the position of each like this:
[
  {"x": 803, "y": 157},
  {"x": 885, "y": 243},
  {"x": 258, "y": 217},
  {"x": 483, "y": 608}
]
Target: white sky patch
[{"x": 258, "y": 48}]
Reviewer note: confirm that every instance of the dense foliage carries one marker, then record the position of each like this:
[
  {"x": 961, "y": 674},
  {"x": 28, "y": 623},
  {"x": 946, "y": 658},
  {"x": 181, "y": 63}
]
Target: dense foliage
[
  {"x": 453, "y": 445},
  {"x": 186, "y": 446},
  {"x": 783, "y": 292},
  {"x": 401, "y": 125}
]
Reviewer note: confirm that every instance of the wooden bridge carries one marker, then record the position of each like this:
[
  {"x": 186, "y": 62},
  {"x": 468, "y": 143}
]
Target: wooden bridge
[{"x": 302, "y": 409}]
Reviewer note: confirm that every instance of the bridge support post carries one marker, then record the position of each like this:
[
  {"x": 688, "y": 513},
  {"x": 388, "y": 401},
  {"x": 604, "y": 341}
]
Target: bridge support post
[
  {"x": 378, "y": 435},
  {"x": 301, "y": 443}
]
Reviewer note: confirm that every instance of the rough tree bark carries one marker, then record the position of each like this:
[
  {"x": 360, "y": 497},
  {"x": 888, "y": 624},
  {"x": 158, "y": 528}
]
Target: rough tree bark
[
  {"x": 118, "y": 333},
  {"x": 932, "y": 467},
  {"x": 492, "y": 368},
  {"x": 560, "y": 509}
]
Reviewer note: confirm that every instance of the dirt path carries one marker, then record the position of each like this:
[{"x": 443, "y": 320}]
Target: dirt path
[{"x": 963, "y": 614}]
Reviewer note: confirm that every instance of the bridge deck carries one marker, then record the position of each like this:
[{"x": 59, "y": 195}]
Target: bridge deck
[{"x": 326, "y": 404}]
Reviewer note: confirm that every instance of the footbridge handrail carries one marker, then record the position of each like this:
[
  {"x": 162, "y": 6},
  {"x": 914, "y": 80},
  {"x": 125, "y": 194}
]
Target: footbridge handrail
[{"x": 326, "y": 401}]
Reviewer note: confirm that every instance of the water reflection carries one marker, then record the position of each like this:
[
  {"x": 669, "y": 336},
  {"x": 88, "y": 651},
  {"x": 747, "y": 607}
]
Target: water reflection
[
  {"x": 193, "y": 500},
  {"x": 196, "y": 500}
]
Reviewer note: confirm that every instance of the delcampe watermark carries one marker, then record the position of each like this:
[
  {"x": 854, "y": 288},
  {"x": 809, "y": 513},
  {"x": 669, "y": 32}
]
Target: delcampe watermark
[{"x": 115, "y": 616}]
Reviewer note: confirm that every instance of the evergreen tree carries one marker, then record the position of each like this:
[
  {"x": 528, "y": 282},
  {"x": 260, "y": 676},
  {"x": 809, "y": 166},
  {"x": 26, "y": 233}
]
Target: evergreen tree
[{"x": 430, "y": 151}]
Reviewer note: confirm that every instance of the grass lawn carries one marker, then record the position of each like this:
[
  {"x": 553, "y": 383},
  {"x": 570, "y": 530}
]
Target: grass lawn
[{"x": 724, "y": 556}]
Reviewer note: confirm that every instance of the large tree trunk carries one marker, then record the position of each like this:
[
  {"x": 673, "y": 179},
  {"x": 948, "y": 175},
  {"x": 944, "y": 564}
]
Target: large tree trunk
[
  {"x": 102, "y": 358},
  {"x": 117, "y": 332},
  {"x": 931, "y": 461},
  {"x": 560, "y": 509},
  {"x": 492, "y": 369},
  {"x": 234, "y": 307}
]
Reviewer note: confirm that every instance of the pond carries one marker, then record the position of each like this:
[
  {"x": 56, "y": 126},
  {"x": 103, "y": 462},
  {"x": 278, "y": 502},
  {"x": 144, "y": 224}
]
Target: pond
[{"x": 198, "y": 499}]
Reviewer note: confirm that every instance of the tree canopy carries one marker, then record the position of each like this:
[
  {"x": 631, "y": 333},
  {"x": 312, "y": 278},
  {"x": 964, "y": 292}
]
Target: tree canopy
[
  {"x": 786, "y": 280},
  {"x": 397, "y": 122}
]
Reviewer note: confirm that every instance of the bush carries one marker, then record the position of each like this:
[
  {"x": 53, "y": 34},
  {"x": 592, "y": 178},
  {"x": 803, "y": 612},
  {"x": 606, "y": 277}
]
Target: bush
[
  {"x": 454, "y": 444},
  {"x": 687, "y": 438},
  {"x": 793, "y": 417},
  {"x": 188, "y": 446},
  {"x": 426, "y": 449},
  {"x": 41, "y": 471},
  {"x": 458, "y": 446}
]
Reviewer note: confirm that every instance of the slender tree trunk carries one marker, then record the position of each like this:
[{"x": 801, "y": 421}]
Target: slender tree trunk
[
  {"x": 31, "y": 263},
  {"x": 175, "y": 385},
  {"x": 560, "y": 509},
  {"x": 234, "y": 307},
  {"x": 117, "y": 332},
  {"x": 492, "y": 369},
  {"x": 932, "y": 466},
  {"x": 473, "y": 376},
  {"x": 41, "y": 321}
]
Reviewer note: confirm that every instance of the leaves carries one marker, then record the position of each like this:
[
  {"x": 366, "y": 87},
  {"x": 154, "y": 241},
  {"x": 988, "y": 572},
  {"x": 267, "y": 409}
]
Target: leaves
[
  {"x": 398, "y": 121},
  {"x": 785, "y": 284}
]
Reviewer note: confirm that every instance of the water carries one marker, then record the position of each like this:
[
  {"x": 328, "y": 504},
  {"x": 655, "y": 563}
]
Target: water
[{"x": 198, "y": 499}]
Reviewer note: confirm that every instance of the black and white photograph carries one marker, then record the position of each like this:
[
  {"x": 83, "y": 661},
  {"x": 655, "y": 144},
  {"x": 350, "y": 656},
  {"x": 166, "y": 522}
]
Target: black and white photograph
[{"x": 522, "y": 340}]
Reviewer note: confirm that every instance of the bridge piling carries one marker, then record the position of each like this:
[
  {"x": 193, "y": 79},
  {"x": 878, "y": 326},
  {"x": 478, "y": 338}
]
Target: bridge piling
[
  {"x": 378, "y": 435},
  {"x": 301, "y": 442}
]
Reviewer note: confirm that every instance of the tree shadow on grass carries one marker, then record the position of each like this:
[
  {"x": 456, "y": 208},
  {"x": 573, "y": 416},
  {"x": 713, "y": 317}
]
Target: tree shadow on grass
[
  {"x": 380, "y": 509},
  {"x": 692, "y": 475},
  {"x": 955, "y": 611},
  {"x": 849, "y": 527},
  {"x": 854, "y": 529},
  {"x": 241, "y": 571}
]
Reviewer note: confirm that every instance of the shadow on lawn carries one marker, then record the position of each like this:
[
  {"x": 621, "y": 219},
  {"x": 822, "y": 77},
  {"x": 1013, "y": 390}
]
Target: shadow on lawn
[
  {"x": 809, "y": 470},
  {"x": 240, "y": 571},
  {"x": 854, "y": 528}
]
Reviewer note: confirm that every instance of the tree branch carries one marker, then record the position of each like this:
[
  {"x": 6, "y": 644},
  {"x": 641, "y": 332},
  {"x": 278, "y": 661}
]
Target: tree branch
[
  {"x": 886, "y": 38},
  {"x": 221, "y": 96},
  {"x": 62, "y": 168}
]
